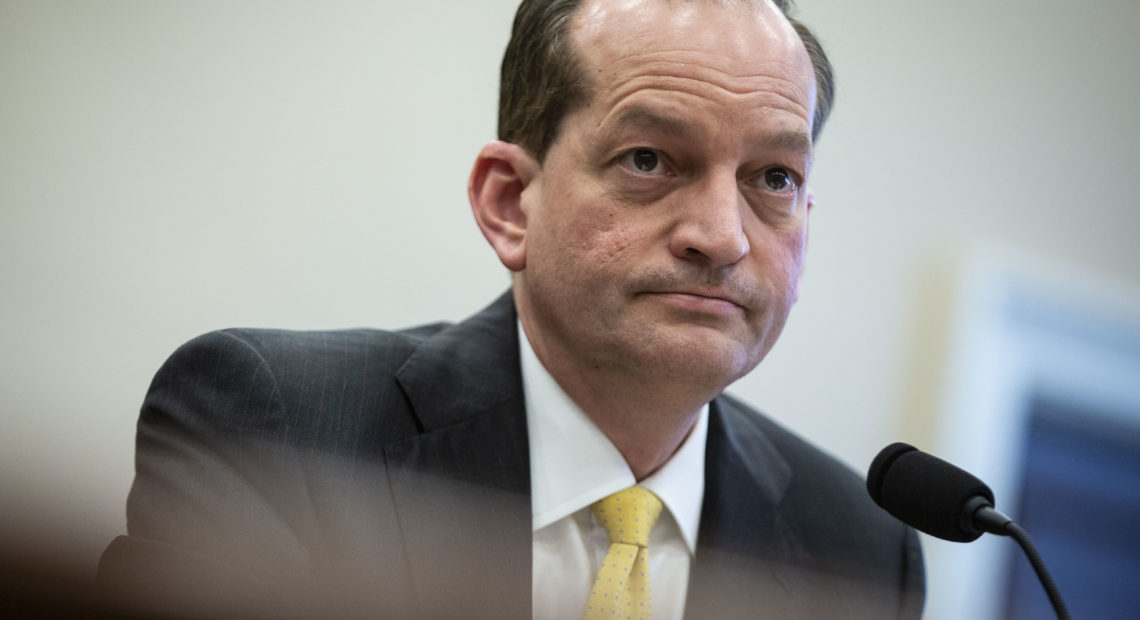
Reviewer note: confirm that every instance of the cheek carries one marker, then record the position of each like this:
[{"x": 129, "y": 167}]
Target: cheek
[
  {"x": 604, "y": 246},
  {"x": 795, "y": 267},
  {"x": 781, "y": 260},
  {"x": 598, "y": 240}
]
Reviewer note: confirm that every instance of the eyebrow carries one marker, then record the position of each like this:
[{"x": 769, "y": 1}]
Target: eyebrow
[
  {"x": 638, "y": 116},
  {"x": 647, "y": 118},
  {"x": 792, "y": 141}
]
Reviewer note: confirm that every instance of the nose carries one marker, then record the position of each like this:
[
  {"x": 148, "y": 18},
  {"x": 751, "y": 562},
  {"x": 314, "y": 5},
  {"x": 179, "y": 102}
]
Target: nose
[{"x": 710, "y": 227}]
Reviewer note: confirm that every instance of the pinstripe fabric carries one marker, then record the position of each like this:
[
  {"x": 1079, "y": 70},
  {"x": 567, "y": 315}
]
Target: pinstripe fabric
[{"x": 326, "y": 474}]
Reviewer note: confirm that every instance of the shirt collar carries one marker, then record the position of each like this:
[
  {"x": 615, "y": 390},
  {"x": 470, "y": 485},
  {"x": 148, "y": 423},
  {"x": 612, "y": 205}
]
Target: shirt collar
[{"x": 573, "y": 464}]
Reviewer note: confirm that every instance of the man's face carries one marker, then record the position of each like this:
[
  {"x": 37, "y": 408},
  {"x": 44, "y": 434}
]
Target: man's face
[{"x": 667, "y": 226}]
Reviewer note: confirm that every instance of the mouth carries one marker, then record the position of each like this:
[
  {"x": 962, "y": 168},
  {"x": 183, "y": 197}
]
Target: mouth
[{"x": 705, "y": 302}]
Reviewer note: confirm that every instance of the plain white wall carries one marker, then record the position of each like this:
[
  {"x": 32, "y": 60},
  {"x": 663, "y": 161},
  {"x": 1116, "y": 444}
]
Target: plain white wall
[
  {"x": 174, "y": 167},
  {"x": 168, "y": 168}
]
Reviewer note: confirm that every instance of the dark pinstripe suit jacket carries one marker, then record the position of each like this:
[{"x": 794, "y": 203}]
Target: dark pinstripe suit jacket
[{"x": 366, "y": 472}]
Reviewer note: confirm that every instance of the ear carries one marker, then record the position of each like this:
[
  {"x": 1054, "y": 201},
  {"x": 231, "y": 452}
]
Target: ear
[
  {"x": 807, "y": 217},
  {"x": 501, "y": 174}
]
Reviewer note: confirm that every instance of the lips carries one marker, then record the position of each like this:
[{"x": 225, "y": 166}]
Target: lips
[
  {"x": 714, "y": 302},
  {"x": 699, "y": 289}
]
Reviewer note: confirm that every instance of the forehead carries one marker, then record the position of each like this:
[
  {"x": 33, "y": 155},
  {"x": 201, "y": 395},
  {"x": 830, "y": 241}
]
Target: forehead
[{"x": 740, "y": 50}]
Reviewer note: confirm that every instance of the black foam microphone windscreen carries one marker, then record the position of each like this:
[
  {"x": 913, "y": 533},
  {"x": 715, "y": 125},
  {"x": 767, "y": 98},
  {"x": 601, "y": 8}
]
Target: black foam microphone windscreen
[{"x": 926, "y": 492}]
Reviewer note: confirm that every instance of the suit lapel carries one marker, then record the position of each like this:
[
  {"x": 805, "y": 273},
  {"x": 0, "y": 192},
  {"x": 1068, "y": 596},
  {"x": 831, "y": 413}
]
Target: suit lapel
[
  {"x": 462, "y": 487},
  {"x": 746, "y": 550}
]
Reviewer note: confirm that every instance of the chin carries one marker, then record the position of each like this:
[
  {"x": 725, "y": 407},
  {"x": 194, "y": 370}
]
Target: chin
[{"x": 714, "y": 362}]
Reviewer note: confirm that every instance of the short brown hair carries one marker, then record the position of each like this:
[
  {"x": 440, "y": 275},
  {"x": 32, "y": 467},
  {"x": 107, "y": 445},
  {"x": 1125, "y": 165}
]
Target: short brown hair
[{"x": 541, "y": 78}]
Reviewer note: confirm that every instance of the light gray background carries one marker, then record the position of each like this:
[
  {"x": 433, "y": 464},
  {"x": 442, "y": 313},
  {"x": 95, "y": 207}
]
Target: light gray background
[{"x": 168, "y": 168}]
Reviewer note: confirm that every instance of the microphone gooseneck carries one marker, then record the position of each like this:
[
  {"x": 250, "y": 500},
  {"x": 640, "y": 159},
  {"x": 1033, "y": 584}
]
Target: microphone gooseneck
[{"x": 947, "y": 502}]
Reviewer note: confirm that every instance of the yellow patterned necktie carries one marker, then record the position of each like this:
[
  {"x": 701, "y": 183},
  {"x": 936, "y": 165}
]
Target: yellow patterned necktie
[{"x": 622, "y": 587}]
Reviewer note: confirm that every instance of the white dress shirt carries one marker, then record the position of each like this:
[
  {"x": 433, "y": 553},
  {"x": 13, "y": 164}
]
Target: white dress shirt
[{"x": 572, "y": 465}]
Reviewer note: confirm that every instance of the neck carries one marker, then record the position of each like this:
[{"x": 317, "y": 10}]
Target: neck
[
  {"x": 645, "y": 415},
  {"x": 646, "y": 421},
  {"x": 646, "y": 441}
]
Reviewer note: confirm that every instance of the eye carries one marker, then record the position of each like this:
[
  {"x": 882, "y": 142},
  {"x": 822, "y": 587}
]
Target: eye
[
  {"x": 779, "y": 180},
  {"x": 643, "y": 161}
]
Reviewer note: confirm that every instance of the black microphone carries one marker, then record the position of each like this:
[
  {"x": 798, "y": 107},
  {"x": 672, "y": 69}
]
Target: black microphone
[
  {"x": 945, "y": 501},
  {"x": 932, "y": 495}
]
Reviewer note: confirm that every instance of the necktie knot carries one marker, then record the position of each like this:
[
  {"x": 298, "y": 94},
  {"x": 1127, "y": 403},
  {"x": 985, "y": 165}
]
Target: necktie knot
[
  {"x": 628, "y": 515},
  {"x": 622, "y": 586}
]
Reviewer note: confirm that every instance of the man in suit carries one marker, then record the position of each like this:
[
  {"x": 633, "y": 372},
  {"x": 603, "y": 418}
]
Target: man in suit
[{"x": 648, "y": 195}]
